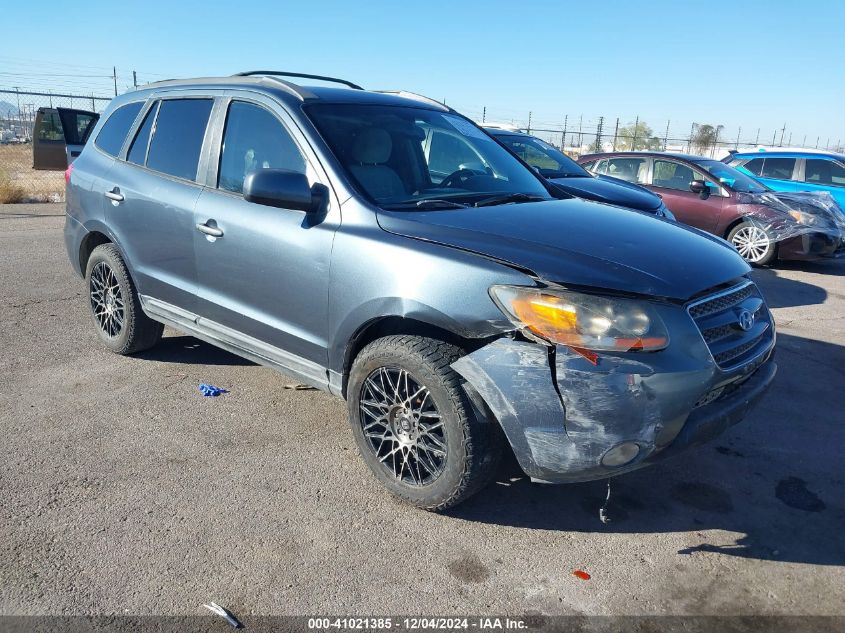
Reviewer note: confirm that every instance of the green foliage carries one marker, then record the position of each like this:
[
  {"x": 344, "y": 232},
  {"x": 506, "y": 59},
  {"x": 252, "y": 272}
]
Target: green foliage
[
  {"x": 638, "y": 136},
  {"x": 704, "y": 136}
]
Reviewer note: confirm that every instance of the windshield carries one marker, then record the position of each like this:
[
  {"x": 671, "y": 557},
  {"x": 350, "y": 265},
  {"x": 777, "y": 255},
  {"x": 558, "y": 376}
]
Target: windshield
[
  {"x": 546, "y": 158},
  {"x": 730, "y": 177},
  {"x": 406, "y": 157}
]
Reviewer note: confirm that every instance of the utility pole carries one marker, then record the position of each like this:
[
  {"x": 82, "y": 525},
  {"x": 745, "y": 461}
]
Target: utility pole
[
  {"x": 689, "y": 140},
  {"x": 484, "y": 115},
  {"x": 636, "y": 129},
  {"x": 804, "y": 142},
  {"x": 563, "y": 136},
  {"x": 114, "y": 76},
  {"x": 774, "y": 136},
  {"x": 615, "y": 133},
  {"x": 666, "y": 136},
  {"x": 580, "y": 126},
  {"x": 50, "y": 92},
  {"x": 757, "y": 140},
  {"x": 715, "y": 143},
  {"x": 738, "y": 134},
  {"x": 789, "y": 142},
  {"x": 529, "y": 122},
  {"x": 817, "y": 141},
  {"x": 827, "y": 145},
  {"x": 134, "y": 79},
  {"x": 781, "y": 134},
  {"x": 598, "y": 133}
]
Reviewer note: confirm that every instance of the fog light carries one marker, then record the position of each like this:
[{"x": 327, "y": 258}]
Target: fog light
[{"x": 620, "y": 454}]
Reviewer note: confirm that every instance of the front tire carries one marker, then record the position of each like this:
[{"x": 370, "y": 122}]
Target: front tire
[
  {"x": 414, "y": 425},
  {"x": 753, "y": 243},
  {"x": 115, "y": 308}
]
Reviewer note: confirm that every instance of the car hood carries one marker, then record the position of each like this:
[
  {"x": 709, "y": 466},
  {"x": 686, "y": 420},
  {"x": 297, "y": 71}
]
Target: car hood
[
  {"x": 581, "y": 243},
  {"x": 610, "y": 190}
]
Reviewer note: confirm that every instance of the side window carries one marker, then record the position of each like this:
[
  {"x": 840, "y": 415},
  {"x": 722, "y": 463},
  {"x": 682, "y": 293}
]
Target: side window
[
  {"x": 780, "y": 168},
  {"x": 755, "y": 166},
  {"x": 138, "y": 150},
  {"x": 180, "y": 128},
  {"x": 254, "y": 139},
  {"x": 671, "y": 175},
  {"x": 589, "y": 165},
  {"x": 824, "y": 172},
  {"x": 629, "y": 169},
  {"x": 447, "y": 154},
  {"x": 600, "y": 167},
  {"x": 51, "y": 127},
  {"x": 113, "y": 133}
]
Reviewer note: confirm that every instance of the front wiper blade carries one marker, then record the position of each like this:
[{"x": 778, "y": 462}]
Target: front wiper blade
[
  {"x": 429, "y": 203},
  {"x": 510, "y": 197}
]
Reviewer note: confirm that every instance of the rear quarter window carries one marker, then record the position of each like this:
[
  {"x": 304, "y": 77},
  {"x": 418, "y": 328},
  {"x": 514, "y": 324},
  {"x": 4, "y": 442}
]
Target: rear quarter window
[
  {"x": 177, "y": 140},
  {"x": 778, "y": 168},
  {"x": 113, "y": 133}
]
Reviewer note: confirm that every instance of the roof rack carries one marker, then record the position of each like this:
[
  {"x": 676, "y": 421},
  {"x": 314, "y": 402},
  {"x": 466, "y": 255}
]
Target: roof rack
[
  {"x": 416, "y": 97},
  {"x": 279, "y": 73}
]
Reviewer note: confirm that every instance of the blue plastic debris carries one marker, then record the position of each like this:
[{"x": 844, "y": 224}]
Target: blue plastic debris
[{"x": 211, "y": 390}]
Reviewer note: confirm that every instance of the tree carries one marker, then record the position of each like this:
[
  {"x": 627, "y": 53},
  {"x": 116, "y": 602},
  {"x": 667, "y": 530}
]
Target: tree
[
  {"x": 704, "y": 136},
  {"x": 637, "y": 136}
]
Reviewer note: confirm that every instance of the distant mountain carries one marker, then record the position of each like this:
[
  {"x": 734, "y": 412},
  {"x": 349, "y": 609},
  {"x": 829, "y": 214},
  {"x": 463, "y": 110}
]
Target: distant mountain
[{"x": 7, "y": 109}]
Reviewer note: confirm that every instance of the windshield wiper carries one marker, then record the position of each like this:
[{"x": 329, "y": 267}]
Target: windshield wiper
[
  {"x": 509, "y": 197},
  {"x": 429, "y": 203}
]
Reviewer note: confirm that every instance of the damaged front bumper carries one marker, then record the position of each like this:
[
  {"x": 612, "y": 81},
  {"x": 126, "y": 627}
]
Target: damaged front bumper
[{"x": 564, "y": 416}]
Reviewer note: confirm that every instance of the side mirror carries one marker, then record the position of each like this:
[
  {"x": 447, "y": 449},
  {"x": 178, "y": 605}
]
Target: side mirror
[
  {"x": 284, "y": 189},
  {"x": 700, "y": 187}
]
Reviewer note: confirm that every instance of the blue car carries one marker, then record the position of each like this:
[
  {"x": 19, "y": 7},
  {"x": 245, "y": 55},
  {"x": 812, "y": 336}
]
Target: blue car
[{"x": 795, "y": 171}]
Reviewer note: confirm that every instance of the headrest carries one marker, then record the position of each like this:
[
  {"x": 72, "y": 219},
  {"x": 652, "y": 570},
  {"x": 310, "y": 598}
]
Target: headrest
[{"x": 372, "y": 147}]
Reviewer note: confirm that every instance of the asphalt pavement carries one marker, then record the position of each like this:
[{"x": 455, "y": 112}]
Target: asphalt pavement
[{"x": 123, "y": 490}]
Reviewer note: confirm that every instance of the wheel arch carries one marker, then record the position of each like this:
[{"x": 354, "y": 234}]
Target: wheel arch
[
  {"x": 394, "y": 324},
  {"x": 92, "y": 240}
]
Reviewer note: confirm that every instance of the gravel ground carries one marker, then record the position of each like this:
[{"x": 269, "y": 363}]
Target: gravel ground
[{"x": 125, "y": 491}]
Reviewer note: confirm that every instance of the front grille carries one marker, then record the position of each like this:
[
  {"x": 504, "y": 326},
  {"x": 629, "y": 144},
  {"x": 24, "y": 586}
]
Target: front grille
[{"x": 735, "y": 324}]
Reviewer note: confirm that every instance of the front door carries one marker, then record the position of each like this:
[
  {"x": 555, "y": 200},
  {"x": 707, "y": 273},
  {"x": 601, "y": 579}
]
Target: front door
[
  {"x": 265, "y": 276},
  {"x": 671, "y": 180}
]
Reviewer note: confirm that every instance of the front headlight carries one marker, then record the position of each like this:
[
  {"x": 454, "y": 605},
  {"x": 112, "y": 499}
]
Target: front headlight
[
  {"x": 601, "y": 324},
  {"x": 803, "y": 218}
]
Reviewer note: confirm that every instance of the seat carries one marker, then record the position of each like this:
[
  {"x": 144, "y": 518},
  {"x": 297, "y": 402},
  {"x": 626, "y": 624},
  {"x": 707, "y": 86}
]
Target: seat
[{"x": 370, "y": 151}]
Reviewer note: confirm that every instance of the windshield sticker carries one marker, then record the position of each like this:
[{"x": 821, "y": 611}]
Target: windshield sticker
[{"x": 465, "y": 127}]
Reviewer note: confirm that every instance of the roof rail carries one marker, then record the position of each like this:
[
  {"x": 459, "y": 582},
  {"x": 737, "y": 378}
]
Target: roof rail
[
  {"x": 416, "y": 97},
  {"x": 279, "y": 73}
]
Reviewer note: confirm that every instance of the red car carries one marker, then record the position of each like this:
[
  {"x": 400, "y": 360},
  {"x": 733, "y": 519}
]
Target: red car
[{"x": 716, "y": 198}]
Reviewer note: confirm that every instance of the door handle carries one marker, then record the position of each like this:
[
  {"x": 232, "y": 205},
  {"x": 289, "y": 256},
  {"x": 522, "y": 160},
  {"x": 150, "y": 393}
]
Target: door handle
[
  {"x": 213, "y": 231},
  {"x": 114, "y": 195}
]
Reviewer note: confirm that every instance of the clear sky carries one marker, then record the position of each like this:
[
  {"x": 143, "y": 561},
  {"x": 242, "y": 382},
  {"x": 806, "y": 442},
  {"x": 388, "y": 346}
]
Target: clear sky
[{"x": 753, "y": 64}]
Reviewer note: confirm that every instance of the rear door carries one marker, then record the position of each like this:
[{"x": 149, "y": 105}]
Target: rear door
[
  {"x": 824, "y": 174},
  {"x": 59, "y": 135},
  {"x": 780, "y": 173},
  {"x": 151, "y": 192},
  {"x": 671, "y": 180},
  {"x": 76, "y": 126}
]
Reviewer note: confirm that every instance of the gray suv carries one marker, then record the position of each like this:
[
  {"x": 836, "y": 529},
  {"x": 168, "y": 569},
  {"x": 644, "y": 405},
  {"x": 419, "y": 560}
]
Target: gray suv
[{"x": 384, "y": 248}]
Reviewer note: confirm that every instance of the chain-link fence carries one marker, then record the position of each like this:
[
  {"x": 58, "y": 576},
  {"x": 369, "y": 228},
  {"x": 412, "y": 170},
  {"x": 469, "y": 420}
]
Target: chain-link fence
[
  {"x": 19, "y": 181},
  {"x": 578, "y": 135}
]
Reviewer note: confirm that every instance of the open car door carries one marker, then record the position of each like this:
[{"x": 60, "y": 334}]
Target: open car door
[{"x": 59, "y": 136}]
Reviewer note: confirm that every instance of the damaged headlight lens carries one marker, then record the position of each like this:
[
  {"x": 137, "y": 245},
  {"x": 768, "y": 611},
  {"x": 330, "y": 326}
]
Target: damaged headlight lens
[
  {"x": 803, "y": 218},
  {"x": 583, "y": 321}
]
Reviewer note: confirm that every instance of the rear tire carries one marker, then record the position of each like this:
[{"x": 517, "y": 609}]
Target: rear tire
[
  {"x": 115, "y": 308},
  {"x": 754, "y": 244},
  {"x": 414, "y": 425}
]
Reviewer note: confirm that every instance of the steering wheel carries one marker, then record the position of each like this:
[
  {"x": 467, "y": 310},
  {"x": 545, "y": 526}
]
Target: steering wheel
[{"x": 458, "y": 177}]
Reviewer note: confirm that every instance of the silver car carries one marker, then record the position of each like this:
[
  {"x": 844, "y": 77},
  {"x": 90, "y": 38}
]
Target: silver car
[{"x": 384, "y": 248}]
